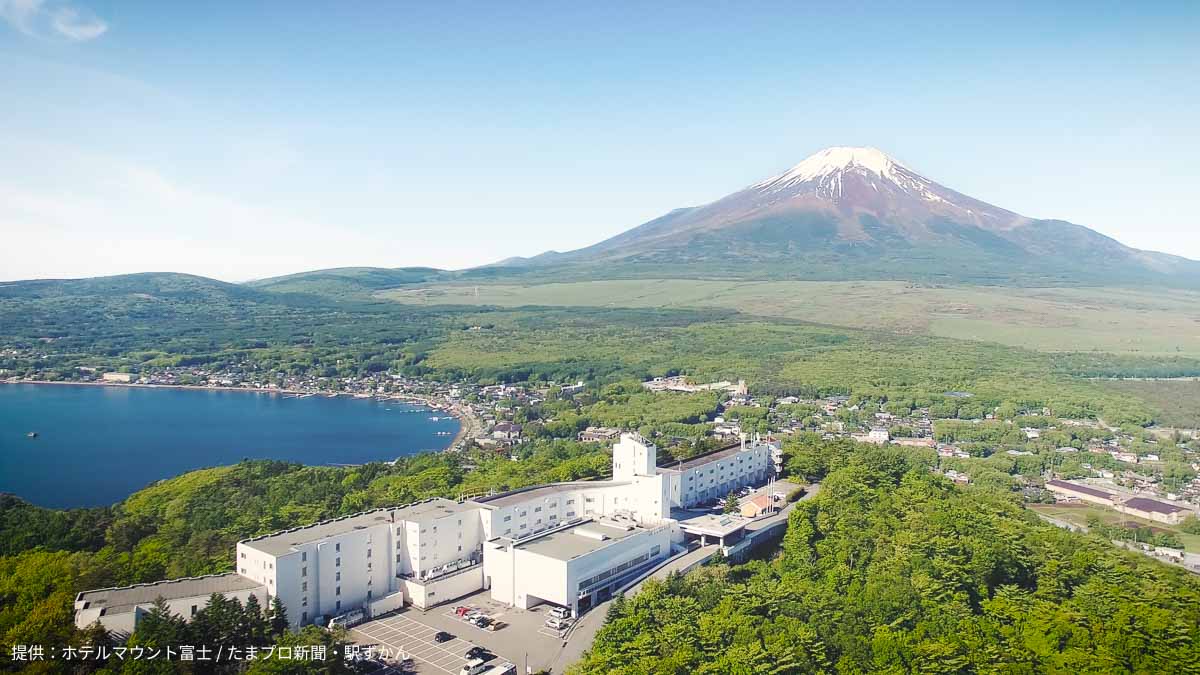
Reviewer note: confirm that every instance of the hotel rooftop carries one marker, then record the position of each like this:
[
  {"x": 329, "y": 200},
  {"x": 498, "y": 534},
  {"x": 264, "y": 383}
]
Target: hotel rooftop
[{"x": 280, "y": 543}]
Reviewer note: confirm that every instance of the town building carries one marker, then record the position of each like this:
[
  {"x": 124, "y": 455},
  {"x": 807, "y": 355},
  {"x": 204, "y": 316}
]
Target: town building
[
  {"x": 1152, "y": 509},
  {"x": 1062, "y": 488},
  {"x": 756, "y": 506},
  {"x": 598, "y": 434}
]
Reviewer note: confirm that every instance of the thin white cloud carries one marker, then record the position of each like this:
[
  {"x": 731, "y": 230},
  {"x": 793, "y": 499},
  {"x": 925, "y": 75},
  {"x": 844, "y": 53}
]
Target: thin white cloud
[
  {"x": 37, "y": 18},
  {"x": 75, "y": 26}
]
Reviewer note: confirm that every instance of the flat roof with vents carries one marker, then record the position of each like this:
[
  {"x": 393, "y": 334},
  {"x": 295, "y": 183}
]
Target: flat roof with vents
[
  {"x": 280, "y": 543},
  {"x": 579, "y": 540},
  {"x": 125, "y": 598}
]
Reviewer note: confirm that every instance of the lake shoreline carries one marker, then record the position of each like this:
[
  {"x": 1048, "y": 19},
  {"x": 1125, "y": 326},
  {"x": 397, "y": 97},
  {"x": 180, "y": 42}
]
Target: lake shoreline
[
  {"x": 467, "y": 421},
  {"x": 76, "y": 446}
]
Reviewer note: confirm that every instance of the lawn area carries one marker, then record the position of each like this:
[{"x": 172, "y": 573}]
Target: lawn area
[
  {"x": 1078, "y": 514},
  {"x": 1143, "y": 321}
]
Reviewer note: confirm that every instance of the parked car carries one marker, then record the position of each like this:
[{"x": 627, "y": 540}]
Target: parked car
[
  {"x": 462, "y": 610},
  {"x": 478, "y": 652},
  {"x": 560, "y": 613},
  {"x": 557, "y": 624},
  {"x": 442, "y": 636}
]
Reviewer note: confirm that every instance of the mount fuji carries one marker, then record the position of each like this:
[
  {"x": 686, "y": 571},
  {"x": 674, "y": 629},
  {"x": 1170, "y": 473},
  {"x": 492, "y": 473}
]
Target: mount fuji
[{"x": 856, "y": 213}]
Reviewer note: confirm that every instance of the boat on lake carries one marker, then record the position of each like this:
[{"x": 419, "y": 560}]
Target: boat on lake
[{"x": 32, "y": 434}]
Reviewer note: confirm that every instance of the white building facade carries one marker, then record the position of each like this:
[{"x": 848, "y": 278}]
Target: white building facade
[{"x": 572, "y": 544}]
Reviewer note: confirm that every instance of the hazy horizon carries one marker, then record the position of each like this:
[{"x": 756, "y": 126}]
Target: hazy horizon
[{"x": 242, "y": 142}]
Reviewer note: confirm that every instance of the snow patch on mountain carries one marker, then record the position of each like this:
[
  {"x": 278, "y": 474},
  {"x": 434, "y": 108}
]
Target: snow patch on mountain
[{"x": 824, "y": 171}]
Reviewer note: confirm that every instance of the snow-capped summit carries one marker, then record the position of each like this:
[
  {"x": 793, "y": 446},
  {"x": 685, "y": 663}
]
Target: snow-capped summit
[
  {"x": 847, "y": 212},
  {"x": 833, "y": 160}
]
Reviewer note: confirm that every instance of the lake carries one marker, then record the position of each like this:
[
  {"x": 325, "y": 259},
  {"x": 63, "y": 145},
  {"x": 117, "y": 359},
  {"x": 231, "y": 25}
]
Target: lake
[{"x": 97, "y": 445}]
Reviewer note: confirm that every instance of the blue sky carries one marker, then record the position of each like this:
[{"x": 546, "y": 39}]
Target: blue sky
[{"x": 244, "y": 140}]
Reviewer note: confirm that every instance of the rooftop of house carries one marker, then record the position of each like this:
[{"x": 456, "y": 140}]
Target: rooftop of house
[
  {"x": 280, "y": 543},
  {"x": 1084, "y": 489},
  {"x": 125, "y": 598},
  {"x": 1152, "y": 505}
]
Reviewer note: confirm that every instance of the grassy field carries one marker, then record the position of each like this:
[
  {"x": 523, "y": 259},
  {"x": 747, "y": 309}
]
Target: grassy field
[
  {"x": 1079, "y": 515},
  {"x": 1152, "y": 322},
  {"x": 1177, "y": 401}
]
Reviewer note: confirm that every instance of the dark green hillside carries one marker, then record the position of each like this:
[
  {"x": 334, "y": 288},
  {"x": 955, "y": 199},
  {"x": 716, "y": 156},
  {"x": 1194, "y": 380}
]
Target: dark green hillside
[
  {"x": 807, "y": 246},
  {"x": 348, "y": 281},
  {"x": 893, "y": 570}
]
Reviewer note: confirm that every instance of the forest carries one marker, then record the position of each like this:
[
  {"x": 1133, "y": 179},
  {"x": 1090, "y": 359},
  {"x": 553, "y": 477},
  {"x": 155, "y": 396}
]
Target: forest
[{"x": 891, "y": 569}]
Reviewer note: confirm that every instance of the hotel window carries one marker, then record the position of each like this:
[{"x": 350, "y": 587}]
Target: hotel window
[
  {"x": 507, "y": 518},
  {"x": 522, "y": 514},
  {"x": 338, "y": 605},
  {"x": 337, "y": 576},
  {"x": 304, "y": 586},
  {"x": 337, "y": 590},
  {"x": 399, "y": 557},
  {"x": 368, "y": 553},
  {"x": 337, "y": 562},
  {"x": 243, "y": 555},
  {"x": 539, "y": 521},
  {"x": 508, "y": 531},
  {"x": 243, "y": 570},
  {"x": 193, "y": 610},
  {"x": 522, "y": 526},
  {"x": 304, "y": 601},
  {"x": 337, "y": 546},
  {"x": 537, "y": 509},
  {"x": 303, "y": 556},
  {"x": 570, "y": 501},
  {"x": 303, "y": 571},
  {"x": 570, "y": 514},
  {"x": 304, "y": 617},
  {"x": 368, "y": 567},
  {"x": 369, "y": 595}
]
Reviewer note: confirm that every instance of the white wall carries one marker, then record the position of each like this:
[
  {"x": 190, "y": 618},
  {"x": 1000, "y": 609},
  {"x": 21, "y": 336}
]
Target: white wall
[{"x": 445, "y": 589}]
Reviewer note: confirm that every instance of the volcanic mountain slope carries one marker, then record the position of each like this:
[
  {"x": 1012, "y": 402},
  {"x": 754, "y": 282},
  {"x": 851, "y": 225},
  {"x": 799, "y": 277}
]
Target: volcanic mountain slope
[{"x": 856, "y": 213}]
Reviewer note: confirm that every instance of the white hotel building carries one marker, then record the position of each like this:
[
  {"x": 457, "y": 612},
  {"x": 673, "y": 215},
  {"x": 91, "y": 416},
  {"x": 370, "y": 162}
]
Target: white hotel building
[{"x": 571, "y": 544}]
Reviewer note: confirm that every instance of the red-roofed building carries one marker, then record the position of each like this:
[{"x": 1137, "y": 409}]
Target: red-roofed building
[
  {"x": 1152, "y": 509},
  {"x": 1063, "y": 489}
]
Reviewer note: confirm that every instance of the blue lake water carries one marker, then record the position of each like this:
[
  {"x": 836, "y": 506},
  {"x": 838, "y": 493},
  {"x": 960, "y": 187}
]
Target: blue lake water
[{"x": 97, "y": 445}]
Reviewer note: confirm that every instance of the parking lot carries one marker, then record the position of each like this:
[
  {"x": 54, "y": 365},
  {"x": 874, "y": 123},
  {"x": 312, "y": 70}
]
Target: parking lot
[
  {"x": 522, "y": 635},
  {"x": 404, "y": 636}
]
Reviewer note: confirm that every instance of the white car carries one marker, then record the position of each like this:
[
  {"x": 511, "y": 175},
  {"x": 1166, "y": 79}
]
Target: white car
[
  {"x": 557, "y": 624},
  {"x": 560, "y": 613}
]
